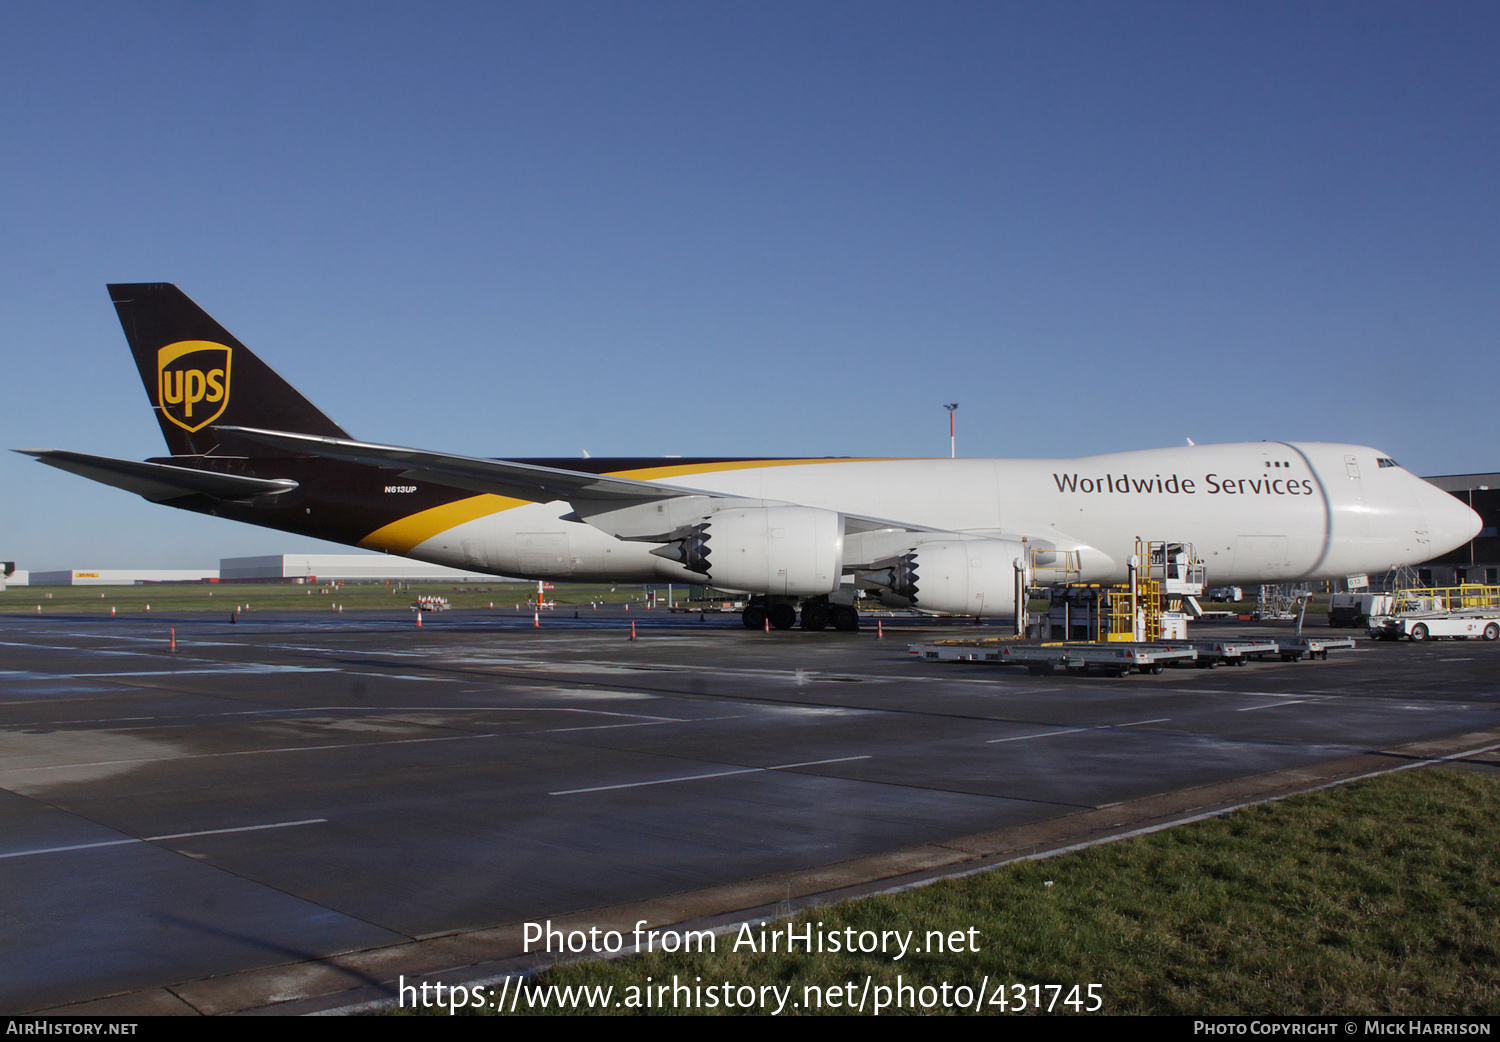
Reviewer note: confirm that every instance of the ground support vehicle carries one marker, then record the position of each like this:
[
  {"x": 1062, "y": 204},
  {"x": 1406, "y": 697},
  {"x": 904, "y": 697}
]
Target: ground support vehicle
[
  {"x": 1355, "y": 610},
  {"x": 1482, "y": 623},
  {"x": 708, "y": 607}
]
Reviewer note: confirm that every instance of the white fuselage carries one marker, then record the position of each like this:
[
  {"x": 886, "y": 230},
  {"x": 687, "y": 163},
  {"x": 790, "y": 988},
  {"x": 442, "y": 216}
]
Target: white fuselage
[{"x": 1255, "y": 513}]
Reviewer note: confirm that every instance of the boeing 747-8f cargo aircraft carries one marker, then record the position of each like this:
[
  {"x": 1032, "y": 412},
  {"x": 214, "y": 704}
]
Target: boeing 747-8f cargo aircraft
[{"x": 799, "y": 535}]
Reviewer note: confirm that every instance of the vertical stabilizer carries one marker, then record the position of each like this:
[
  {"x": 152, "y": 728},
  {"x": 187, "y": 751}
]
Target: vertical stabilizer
[{"x": 198, "y": 376}]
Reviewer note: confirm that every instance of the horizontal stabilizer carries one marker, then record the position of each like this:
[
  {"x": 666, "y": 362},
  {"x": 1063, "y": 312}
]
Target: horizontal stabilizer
[
  {"x": 160, "y": 482},
  {"x": 523, "y": 481}
]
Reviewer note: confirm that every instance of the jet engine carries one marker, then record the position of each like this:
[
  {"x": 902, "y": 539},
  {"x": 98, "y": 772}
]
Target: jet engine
[
  {"x": 969, "y": 577},
  {"x": 783, "y": 550}
]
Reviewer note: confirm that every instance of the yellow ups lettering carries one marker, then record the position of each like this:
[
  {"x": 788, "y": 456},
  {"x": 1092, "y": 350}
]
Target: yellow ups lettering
[{"x": 193, "y": 388}]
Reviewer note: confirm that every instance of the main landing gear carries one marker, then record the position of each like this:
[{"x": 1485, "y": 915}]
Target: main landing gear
[{"x": 816, "y": 614}]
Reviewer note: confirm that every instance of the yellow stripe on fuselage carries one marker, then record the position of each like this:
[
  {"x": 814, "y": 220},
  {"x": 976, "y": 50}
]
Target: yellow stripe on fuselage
[{"x": 402, "y": 536}]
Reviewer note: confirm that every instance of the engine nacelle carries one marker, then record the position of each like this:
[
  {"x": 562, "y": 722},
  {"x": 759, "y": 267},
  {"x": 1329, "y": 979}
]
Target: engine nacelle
[
  {"x": 971, "y": 577},
  {"x": 789, "y": 551}
]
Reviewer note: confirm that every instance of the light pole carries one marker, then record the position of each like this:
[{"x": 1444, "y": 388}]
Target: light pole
[{"x": 952, "y": 432}]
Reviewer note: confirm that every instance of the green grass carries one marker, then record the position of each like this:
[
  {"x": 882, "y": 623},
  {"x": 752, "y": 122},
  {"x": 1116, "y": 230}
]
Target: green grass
[
  {"x": 221, "y": 597},
  {"x": 1378, "y": 897}
]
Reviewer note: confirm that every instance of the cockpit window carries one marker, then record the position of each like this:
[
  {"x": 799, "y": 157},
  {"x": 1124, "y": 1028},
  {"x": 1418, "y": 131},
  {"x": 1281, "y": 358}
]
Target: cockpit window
[{"x": 1387, "y": 462}]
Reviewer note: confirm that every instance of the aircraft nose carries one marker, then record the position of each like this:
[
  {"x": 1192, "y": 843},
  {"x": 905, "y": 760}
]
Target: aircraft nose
[{"x": 1450, "y": 522}]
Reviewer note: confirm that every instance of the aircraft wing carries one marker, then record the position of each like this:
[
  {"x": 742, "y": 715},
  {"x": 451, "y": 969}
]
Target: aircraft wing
[
  {"x": 590, "y": 493},
  {"x": 160, "y": 482},
  {"x": 502, "y": 477}
]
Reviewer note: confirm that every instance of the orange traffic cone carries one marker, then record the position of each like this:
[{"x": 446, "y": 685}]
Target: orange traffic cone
[
  {"x": 879, "y": 630},
  {"x": 172, "y": 643},
  {"x": 632, "y": 629},
  {"x": 419, "y": 620},
  {"x": 536, "y": 620}
]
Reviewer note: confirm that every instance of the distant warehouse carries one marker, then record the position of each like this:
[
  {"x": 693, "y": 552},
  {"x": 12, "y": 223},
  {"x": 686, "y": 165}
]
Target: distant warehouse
[
  {"x": 121, "y": 576},
  {"x": 288, "y": 568},
  {"x": 1477, "y": 561}
]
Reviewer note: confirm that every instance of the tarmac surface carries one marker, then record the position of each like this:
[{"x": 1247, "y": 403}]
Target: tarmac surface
[{"x": 219, "y": 828}]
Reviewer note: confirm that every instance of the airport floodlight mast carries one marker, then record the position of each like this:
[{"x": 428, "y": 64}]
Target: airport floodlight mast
[{"x": 952, "y": 435}]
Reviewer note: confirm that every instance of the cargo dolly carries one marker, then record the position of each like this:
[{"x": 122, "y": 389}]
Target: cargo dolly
[
  {"x": 1121, "y": 659},
  {"x": 1116, "y": 658}
]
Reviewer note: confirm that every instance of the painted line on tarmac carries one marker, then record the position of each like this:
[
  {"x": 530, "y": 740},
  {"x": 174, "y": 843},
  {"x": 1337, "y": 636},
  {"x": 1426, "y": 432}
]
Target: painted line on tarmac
[
  {"x": 700, "y": 777},
  {"x": 1078, "y": 730},
  {"x": 374, "y": 712},
  {"x": 1274, "y": 705},
  {"x": 1040, "y": 734},
  {"x": 160, "y": 839}
]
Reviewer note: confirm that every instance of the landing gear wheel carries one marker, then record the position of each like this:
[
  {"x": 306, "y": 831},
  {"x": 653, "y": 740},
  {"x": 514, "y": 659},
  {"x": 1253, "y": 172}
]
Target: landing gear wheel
[
  {"x": 1492, "y": 632},
  {"x": 783, "y": 616},
  {"x": 814, "y": 616},
  {"x": 1419, "y": 632},
  {"x": 844, "y": 618},
  {"x": 754, "y": 617}
]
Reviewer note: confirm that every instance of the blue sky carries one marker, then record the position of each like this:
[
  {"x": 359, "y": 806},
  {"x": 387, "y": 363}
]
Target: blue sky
[{"x": 751, "y": 229}]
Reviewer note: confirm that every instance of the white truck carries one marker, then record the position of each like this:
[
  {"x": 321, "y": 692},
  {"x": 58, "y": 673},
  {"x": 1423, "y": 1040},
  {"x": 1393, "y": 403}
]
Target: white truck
[{"x": 1426, "y": 625}]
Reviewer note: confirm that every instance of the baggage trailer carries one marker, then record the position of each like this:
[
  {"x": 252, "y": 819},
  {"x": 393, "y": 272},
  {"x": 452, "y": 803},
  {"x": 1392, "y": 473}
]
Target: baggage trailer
[
  {"x": 1292, "y": 649},
  {"x": 1121, "y": 659},
  {"x": 1114, "y": 658},
  {"x": 1235, "y": 651}
]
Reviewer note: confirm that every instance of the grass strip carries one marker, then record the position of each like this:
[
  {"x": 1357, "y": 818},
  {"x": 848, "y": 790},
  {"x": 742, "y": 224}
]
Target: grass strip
[{"x": 1378, "y": 897}]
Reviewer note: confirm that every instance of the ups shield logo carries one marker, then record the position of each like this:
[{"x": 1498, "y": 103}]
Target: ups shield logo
[{"x": 192, "y": 382}]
